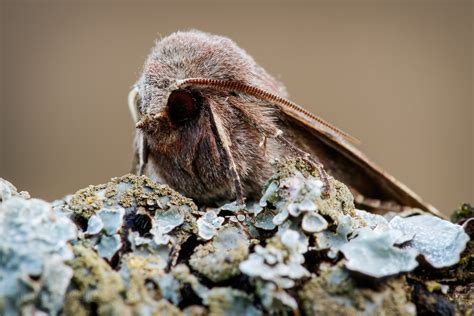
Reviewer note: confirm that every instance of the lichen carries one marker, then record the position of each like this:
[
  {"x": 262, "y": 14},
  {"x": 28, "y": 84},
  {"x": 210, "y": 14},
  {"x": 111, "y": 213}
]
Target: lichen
[
  {"x": 463, "y": 213},
  {"x": 296, "y": 193},
  {"x": 140, "y": 276},
  {"x": 109, "y": 222},
  {"x": 208, "y": 224},
  {"x": 374, "y": 253},
  {"x": 94, "y": 283},
  {"x": 143, "y": 249},
  {"x": 276, "y": 268},
  {"x": 264, "y": 220},
  {"x": 372, "y": 244},
  {"x": 333, "y": 242},
  {"x": 280, "y": 261},
  {"x": 132, "y": 209},
  {"x": 172, "y": 284},
  {"x": 440, "y": 242},
  {"x": 219, "y": 259},
  {"x": 228, "y": 301},
  {"x": 131, "y": 291},
  {"x": 166, "y": 221},
  {"x": 313, "y": 223},
  {"x": 334, "y": 292},
  {"x": 129, "y": 192},
  {"x": 8, "y": 190},
  {"x": 33, "y": 249}
]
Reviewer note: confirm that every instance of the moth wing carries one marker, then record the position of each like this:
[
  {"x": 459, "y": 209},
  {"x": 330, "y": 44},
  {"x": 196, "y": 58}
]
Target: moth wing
[{"x": 346, "y": 163}]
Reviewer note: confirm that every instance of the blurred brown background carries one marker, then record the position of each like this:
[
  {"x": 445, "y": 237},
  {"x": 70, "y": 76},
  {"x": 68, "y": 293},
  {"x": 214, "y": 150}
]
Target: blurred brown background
[{"x": 396, "y": 74}]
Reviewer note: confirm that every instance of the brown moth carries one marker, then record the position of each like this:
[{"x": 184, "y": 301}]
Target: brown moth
[{"x": 210, "y": 121}]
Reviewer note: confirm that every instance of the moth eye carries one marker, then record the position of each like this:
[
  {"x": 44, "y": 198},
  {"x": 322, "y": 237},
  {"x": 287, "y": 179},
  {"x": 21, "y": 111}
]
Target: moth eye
[{"x": 181, "y": 106}]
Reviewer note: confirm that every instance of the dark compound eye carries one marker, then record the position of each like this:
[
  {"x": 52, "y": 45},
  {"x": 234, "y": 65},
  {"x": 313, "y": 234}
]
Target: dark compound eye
[{"x": 181, "y": 106}]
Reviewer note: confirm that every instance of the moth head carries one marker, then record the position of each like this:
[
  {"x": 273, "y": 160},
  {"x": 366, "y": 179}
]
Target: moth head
[
  {"x": 182, "y": 107},
  {"x": 169, "y": 104},
  {"x": 195, "y": 54}
]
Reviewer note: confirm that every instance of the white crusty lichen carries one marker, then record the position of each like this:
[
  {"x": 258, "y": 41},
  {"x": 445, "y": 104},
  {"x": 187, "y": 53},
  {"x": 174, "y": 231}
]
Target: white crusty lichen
[{"x": 33, "y": 250}]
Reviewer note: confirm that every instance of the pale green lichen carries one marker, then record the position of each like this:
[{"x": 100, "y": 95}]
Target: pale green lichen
[
  {"x": 334, "y": 241},
  {"x": 264, "y": 220},
  {"x": 228, "y": 301},
  {"x": 296, "y": 187},
  {"x": 133, "y": 209},
  {"x": 276, "y": 268},
  {"x": 374, "y": 253},
  {"x": 109, "y": 222},
  {"x": 131, "y": 291},
  {"x": 108, "y": 246},
  {"x": 94, "y": 283},
  {"x": 440, "y": 242},
  {"x": 140, "y": 277},
  {"x": 148, "y": 247},
  {"x": 296, "y": 193},
  {"x": 208, "y": 224},
  {"x": 129, "y": 191},
  {"x": 219, "y": 259},
  {"x": 334, "y": 292},
  {"x": 313, "y": 223},
  {"x": 171, "y": 284},
  {"x": 33, "y": 248},
  {"x": 375, "y": 249},
  {"x": 298, "y": 250},
  {"x": 164, "y": 223},
  {"x": 280, "y": 261},
  {"x": 8, "y": 190}
]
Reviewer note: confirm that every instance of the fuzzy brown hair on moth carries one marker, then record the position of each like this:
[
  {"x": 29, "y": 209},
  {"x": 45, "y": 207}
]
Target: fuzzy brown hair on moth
[{"x": 210, "y": 121}]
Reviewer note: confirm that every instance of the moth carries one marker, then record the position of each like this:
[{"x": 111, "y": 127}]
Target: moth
[{"x": 210, "y": 121}]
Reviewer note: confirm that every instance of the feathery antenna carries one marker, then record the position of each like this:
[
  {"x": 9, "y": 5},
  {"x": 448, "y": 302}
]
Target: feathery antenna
[{"x": 261, "y": 94}]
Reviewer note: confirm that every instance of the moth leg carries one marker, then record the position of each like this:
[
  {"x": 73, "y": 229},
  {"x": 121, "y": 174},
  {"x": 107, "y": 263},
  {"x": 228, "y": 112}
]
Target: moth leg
[
  {"x": 306, "y": 157},
  {"x": 174, "y": 255},
  {"x": 142, "y": 154},
  {"x": 224, "y": 139},
  {"x": 263, "y": 144}
]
